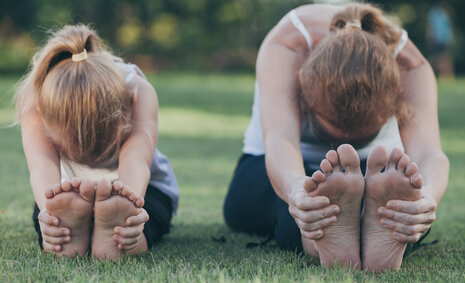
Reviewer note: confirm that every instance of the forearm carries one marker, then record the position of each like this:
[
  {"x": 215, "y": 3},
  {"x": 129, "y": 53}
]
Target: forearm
[
  {"x": 135, "y": 173},
  {"x": 434, "y": 168},
  {"x": 43, "y": 178},
  {"x": 284, "y": 166}
]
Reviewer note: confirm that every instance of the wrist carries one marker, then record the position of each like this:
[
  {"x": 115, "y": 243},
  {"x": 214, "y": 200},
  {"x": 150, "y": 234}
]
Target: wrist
[{"x": 296, "y": 184}]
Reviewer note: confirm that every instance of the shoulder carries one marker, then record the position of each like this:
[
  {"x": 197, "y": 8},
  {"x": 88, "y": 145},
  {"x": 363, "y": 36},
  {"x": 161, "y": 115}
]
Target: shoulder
[
  {"x": 410, "y": 57},
  {"x": 136, "y": 82},
  {"x": 314, "y": 17}
]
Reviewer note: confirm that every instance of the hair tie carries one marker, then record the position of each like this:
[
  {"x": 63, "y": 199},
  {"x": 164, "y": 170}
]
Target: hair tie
[
  {"x": 354, "y": 23},
  {"x": 80, "y": 56}
]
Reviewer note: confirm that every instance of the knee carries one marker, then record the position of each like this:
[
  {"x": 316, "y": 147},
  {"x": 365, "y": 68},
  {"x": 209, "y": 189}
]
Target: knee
[
  {"x": 287, "y": 235},
  {"x": 231, "y": 213}
]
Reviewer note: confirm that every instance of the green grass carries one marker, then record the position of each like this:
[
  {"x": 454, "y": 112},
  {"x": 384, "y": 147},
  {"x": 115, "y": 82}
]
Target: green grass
[{"x": 202, "y": 120}]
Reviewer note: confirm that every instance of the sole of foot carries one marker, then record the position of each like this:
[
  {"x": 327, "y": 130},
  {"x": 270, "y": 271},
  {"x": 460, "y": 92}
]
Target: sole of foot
[
  {"x": 342, "y": 182},
  {"x": 72, "y": 202},
  {"x": 380, "y": 251},
  {"x": 114, "y": 203}
]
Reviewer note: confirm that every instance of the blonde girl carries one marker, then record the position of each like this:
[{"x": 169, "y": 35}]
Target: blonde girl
[
  {"x": 340, "y": 88},
  {"x": 89, "y": 131}
]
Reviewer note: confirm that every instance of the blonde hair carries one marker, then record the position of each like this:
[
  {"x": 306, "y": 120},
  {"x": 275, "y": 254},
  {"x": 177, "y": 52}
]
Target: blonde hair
[
  {"x": 86, "y": 101},
  {"x": 353, "y": 70}
]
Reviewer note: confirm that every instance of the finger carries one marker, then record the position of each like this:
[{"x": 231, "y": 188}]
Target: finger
[
  {"x": 406, "y": 218},
  {"x": 403, "y": 228},
  {"x": 128, "y": 232},
  {"x": 311, "y": 203},
  {"x": 406, "y": 238},
  {"x": 140, "y": 218},
  {"x": 324, "y": 223},
  {"x": 127, "y": 247},
  {"x": 313, "y": 235},
  {"x": 413, "y": 207},
  {"x": 54, "y": 231},
  {"x": 311, "y": 216},
  {"x": 50, "y": 247},
  {"x": 56, "y": 240},
  {"x": 47, "y": 218},
  {"x": 125, "y": 241}
]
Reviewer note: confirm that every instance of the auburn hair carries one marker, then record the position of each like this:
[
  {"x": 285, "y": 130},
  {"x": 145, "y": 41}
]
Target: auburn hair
[
  {"x": 353, "y": 70},
  {"x": 86, "y": 101}
]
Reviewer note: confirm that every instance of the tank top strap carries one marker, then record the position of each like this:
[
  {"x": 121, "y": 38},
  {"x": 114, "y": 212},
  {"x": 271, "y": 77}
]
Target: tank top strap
[
  {"x": 133, "y": 71},
  {"x": 402, "y": 42},
  {"x": 301, "y": 28}
]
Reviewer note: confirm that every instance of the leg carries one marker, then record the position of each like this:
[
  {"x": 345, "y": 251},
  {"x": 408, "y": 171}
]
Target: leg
[
  {"x": 114, "y": 203},
  {"x": 72, "y": 202},
  {"x": 380, "y": 251},
  {"x": 250, "y": 203},
  {"x": 341, "y": 242},
  {"x": 252, "y": 206},
  {"x": 160, "y": 210}
]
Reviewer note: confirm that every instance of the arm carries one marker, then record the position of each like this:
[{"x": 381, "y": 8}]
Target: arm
[
  {"x": 44, "y": 168},
  {"x": 136, "y": 153},
  {"x": 420, "y": 136},
  {"x": 277, "y": 73},
  {"x": 42, "y": 158},
  {"x": 136, "y": 158}
]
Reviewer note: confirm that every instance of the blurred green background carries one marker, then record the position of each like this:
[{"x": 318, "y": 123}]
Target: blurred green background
[{"x": 195, "y": 35}]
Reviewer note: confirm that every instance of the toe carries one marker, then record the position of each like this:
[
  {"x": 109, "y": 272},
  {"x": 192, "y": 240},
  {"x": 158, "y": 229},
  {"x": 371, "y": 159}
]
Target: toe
[
  {"x": 139, "y": 202},
  {"x": 309, "y": 185},
  {"x": 57, "y": 188},
  {"x": 50, "y": 193},
  {"x": 66, "y": 186},
  {"x": 117, "y": 185},
  {"x": 117, "y": 188},
  {"x": 349, "y": 158},
  {"x": 87, "y": 190},
  {"x": 326, "y": 166},
  {"x": 318, "y": 177},
  {"x": 75, "y": 182},
  {"x": 125, "y": 191},
  {"x": 333, "y": 158},
  {"x": 417, "y": 182},
  {"x": 377, "y": 159},
  {"x": 403, "y": 162},
  {"x": 394, "y": 157},
  {"x": 103, "y": 190},
  {"x": 411, "y": 169}
]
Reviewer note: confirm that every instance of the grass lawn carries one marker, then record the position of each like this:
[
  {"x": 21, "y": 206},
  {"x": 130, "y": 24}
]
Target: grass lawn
[{"x": 202, "y": 121}]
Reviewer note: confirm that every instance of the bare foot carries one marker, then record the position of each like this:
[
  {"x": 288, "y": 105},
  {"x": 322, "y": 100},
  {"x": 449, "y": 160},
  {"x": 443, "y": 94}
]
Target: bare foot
[
  {"x": 113, "y": 205},
  {"x": 72, "y": 202},
  {"x": 380, "y": 251},
  {"x": 341, "y": 241}
]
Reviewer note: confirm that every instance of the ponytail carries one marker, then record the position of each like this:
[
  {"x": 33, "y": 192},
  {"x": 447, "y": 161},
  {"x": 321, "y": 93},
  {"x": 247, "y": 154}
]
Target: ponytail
[
  {"x": 367, "y": 18},
  {"x": 76, "y": 85},
  {"x": 353, "y": 70}
]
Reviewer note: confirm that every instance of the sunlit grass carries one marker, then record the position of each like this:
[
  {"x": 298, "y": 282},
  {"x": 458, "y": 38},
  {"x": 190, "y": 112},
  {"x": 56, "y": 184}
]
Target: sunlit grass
[{"x": 202, "y": 120}]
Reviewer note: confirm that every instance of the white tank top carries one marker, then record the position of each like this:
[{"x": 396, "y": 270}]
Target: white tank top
[
  {"x": 314, "y": 149},
  {"x": 161, "y": 173}
]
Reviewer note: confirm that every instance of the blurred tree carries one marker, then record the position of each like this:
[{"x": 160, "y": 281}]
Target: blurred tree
[{"x": 187, "y": 34}]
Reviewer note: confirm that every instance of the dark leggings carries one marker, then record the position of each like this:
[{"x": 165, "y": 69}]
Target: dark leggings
[
  {"x": 252, "y": 206},
  {"x": 158, "y": 206}
]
